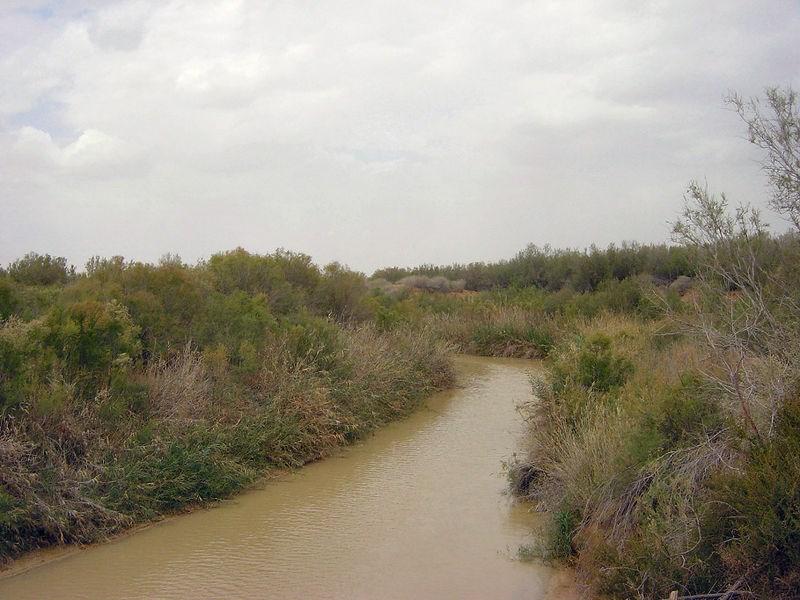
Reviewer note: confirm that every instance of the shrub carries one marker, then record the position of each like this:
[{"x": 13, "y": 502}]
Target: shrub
[
  {"x": 242, "y": 271},
  {"x": 9, "y": 298},
  {"x": 233, "y": 320},
  {"x": 757, "y": 512},
  {"x": 341, "y": 293},
  {"x": 24, "y": 360},
  {"x": 41, "y": 269},
  {"x": 89, "y": 337},
  {"x": 511, "y": 339},
  {"x": 599, "y": 368},
  {"x": 287, "y": 279},
  {"x": 179, "y": 388},
  {"x": 313, "y": 339}
]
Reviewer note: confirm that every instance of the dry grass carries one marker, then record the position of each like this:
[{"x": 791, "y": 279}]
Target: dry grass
[
  {"x": 46, "y": 469},
  {"x": 634, "y": 500},
  {"x": 497, "y": 331},
  {"x": 179, "y": 387},
  {"x": 70, "y": 472}
]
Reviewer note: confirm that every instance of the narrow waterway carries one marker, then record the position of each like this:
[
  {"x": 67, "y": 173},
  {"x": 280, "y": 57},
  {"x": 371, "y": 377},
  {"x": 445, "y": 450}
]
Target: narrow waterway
[{"x": 416, "y": 511}]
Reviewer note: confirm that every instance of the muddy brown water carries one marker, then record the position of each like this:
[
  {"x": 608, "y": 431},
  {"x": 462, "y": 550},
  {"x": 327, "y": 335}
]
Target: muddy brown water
[{"x": 417, "y": 511}]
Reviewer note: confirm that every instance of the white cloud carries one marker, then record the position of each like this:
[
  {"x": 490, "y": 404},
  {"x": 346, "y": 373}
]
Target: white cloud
[{"x": 91, "y": 154}]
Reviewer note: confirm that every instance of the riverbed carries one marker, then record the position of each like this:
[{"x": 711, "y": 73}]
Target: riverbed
[{"x": 418, "y": 510}]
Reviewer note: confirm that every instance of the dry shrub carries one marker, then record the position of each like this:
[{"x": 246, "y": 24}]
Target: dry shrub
[
  {"x": 625, "y": 471},
  {"x": 179, "y": 387},
  {"x": 297, "y": 389},
  {"x": 497, "y": 331},
  {"x": 432, "y": 284},
  {"x": 48, "y": 473},
  {"x": 372, "y": 378},
  {"x": 391, "y": 363}
]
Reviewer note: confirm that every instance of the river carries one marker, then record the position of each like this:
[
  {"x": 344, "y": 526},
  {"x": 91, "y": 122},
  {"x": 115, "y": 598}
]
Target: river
[{"x": 418, "y": 510}]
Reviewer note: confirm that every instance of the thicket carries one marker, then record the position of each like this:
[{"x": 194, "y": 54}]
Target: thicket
[
  {"x": 132, "y": 390},
  {"x": 666, "y": 450},
  {"x": 550, "y": 269}
]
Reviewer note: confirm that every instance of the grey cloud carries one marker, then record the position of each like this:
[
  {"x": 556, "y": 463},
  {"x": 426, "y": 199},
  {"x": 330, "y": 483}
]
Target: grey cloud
[{"x": 373, "y": 132}]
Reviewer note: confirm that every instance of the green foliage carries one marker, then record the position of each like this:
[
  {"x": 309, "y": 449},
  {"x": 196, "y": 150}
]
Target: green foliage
[
  {"x": 240, "y": 270},
  {"x": 89, "y": 344},
  {"x": 89, "y": 337},
  {"x": 509, "y": 339},
  {"x": 674, "y": 417},
  {"x": 599, "y": 368},
  {"x": 9, "y": 298},
  {"x": 387, "y": 318},
  {"x": 553, "y": 270},
  {"x": 286, "y": 278},
  {"x": 685, "y": 412},
  {"x": 164, "y": 299},
  {"x": 40, "y": 269},
  {"x": 238, "y": 321},
  {"x": 24, "y": 361},
  {"x": 757, "y": 511},
  {"x": 564, "y": 524},
  {"x": 313, "y": 338},
  {"x": 342, "y": 294},
  {"x": 161, "y": 476}
]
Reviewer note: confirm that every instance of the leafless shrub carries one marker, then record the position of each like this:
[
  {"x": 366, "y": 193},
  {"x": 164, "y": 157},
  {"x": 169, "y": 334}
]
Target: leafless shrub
[
  {"x": 777, "y": 131},
  {"x": 681, "y": 285},
  {"x": 432, "y": 284},
  {"x": 58, "y": 506},
  {"x": 745, "y": 316},
  {"x": 180, "y": 386},
  {"x": 385, "y": 286}
]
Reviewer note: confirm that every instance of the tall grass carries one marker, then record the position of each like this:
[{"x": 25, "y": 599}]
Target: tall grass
[
  {"x": 652, "y": 481},
  {"x": 72, "y": 475},
  {"x": 497, "y": 331}
]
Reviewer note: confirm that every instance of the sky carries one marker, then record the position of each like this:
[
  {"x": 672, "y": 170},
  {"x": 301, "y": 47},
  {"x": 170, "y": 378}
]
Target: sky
[{"x": 373, "y": 133}]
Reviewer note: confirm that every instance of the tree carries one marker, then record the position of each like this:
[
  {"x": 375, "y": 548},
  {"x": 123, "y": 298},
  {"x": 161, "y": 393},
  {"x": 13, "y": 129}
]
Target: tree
[
  {"x": 749, "y": 315},
  {"x": 41, "y": 269},
  {"x": 774, "y": 126}
]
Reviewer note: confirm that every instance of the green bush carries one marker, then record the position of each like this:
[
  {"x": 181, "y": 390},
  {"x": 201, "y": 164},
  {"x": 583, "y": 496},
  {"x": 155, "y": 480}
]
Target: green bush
[
  {"x": 88, "y": 337},
  {"x": 165, "y": 301},
  {"x": 24, "y": 361},
  {"x": 9, "y": 298},
  {"x": 287, "y": 279},
  {"x": 41, "y": 269},
  {"x": 386, "y": 318},
  {"x": 237, "y": 320},
  {"x": 510, "y": 339},
  {"x": 313, "y": 339},
  {"x": 342, "y": 294},
  {"x": 675, "y": 416},
  {"x": 599, "y": 368},
  {"x": 686, "y": 412},
  {"x": 757, "y": 511}
]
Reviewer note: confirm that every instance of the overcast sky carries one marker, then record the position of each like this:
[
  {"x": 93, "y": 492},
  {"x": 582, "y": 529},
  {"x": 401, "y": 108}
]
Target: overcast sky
[{"x": 373, "y": 133}]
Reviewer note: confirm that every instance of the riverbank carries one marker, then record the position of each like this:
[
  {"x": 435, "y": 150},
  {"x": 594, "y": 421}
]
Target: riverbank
[
  {"x": 375, "y": 519},
  {"x": 296, "y": 408},
  {"x": 653, "y": 478}
]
